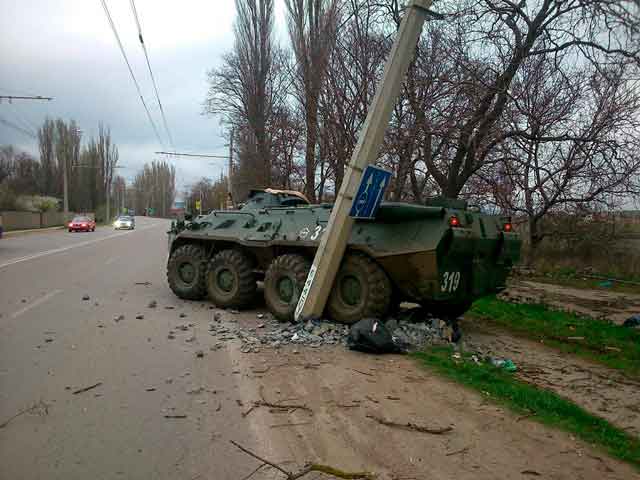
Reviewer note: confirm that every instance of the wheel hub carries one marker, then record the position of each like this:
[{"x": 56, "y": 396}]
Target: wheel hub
[
  {"x": 187, "y": 272},
  {"x": 285, "y": 289},
  {"x": 351, "y": 290},
  {"x": 226, "y": 280}
]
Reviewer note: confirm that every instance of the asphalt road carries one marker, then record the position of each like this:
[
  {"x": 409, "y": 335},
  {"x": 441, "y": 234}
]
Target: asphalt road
[{"x": 53, "y": 343}]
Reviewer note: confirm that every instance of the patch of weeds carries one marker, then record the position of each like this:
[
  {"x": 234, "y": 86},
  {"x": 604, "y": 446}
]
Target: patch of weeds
[
  {"x": 544, "y": 406},
  {"x": 612, "y": 345}
]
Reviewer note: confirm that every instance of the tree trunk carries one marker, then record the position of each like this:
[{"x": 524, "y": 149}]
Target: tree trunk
[
  {"x": 310, "y": 154},
  {"x": 534, "y": 241}
]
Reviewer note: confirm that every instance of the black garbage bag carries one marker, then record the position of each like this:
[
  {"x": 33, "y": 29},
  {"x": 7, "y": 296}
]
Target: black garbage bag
[
  {"x": 371, "y": 336},
  {"x": 632, "y": 322}
]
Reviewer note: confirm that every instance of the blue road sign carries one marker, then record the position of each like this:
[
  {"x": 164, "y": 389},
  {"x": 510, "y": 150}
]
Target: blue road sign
[{"x": 370, "y": 193}]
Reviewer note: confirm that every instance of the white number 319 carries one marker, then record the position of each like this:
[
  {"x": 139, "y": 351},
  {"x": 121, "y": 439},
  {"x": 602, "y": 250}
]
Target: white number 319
[{"x": 450, "y": 281}]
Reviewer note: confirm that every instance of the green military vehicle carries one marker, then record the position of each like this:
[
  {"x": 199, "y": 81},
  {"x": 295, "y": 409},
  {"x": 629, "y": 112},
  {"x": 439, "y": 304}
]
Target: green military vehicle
[{"x": 442, "y": 255}]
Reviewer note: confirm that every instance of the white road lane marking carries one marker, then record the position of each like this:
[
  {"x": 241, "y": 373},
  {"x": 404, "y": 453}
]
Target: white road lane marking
[
  {"x": 39, "y": 301},
  {"x": 69, "y": 247}
]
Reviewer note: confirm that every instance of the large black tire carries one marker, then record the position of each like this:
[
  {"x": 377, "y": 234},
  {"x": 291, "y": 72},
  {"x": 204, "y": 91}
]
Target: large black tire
[
  {"x": 283, "y": 284},
  {"x": 361, "y": 289},
  {"x": 230, "y": 280},
  {"x": 187, "y": 271}
]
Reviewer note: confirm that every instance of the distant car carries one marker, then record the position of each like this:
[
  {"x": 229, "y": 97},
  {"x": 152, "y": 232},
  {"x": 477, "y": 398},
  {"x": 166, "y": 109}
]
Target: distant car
[
  {"x": 82, "y": 224},
  {"x": 124, "y": 221}
]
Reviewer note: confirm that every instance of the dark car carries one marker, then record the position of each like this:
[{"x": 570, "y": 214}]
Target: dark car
[
  {"x": 82, "y": 224},
  {"x": 124, "y": 221}
]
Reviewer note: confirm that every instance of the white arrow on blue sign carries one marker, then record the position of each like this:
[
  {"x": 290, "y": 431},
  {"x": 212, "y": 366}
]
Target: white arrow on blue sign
[{"x": 370, "y": 192}]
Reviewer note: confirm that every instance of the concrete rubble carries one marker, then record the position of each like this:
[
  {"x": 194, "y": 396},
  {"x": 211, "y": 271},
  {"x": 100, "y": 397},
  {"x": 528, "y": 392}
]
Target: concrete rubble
[{"x": 410, "y": 330}]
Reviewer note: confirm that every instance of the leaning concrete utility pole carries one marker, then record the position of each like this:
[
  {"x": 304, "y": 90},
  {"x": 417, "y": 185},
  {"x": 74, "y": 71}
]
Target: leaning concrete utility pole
[{"x": 334, "y": 241}]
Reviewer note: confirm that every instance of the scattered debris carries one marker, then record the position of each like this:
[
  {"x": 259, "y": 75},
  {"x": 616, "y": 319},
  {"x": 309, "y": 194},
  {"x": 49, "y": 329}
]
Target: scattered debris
[
  {"x": 146, "y": 284},
  {"x": 290, "y": 424},
  {"x": 118, "y": 318},
  {"x": 24, "y": 300},
  {"x": 199, "y": 354},
  {"x": 48, "y": 340},
  {"x": 150, "y": 389},
  {"x": 39, "y": 408},
  {"x": 370, "y": 335},
  {"x": 171, "y": 336},
  {"x": 139, "y": 316},
  {"x": 182, "y": 315},
  {"x": 316, "y": 333},
  {"x": 169, "y": 307},
  {"x": 86, "y": 297},
  {"x": 175, "y": 416},
  {"x": 152, "y": 304},
  {"x": 504, "y": 363},
  {"x": 260, "y": 316},
  {"x": 462, "y": 450},
  {"x": 86, "y": 389},
  {"x": 363, "y": 373},
  {"x": 308, "y": 468},
  {"x": 276, "y": 406},
  {"x": 411, "y": 426},
  {"x": 632, "y": 322},
  {"x": 168, "y": 380},
  {"x": 530, "y": 472}
]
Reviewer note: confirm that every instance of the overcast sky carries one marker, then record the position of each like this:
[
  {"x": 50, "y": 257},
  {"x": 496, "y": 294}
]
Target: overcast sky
[{"x": 65, "y": 49}]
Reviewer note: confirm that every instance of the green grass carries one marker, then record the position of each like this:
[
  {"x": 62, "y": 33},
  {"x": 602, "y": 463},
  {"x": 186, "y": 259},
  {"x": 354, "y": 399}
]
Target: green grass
[
  {"x": 612, "y": 345},
  {"x": 547, "y": 407}
]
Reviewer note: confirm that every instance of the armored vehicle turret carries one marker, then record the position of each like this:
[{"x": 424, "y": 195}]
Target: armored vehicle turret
[{"x": 442, "y": 255}]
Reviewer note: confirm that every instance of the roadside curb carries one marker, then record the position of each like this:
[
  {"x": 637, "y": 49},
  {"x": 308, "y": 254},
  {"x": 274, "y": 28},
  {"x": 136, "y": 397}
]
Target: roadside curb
[{"x": 16, "y": 233}]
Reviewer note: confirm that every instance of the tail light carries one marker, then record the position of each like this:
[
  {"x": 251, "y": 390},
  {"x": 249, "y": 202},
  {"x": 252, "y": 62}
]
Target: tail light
[
  {"x": 454, "y": 221},
  {"x": 507, "y": 227}
]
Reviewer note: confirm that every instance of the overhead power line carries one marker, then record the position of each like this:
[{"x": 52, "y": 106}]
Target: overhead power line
[
  {"x": 18, "y": 128},
  {"x": 22, "y": 121},
  {"x": 192, "y": 155},
  {"x": 133, "y": 77},
  {"x": 153, "y": 80}
]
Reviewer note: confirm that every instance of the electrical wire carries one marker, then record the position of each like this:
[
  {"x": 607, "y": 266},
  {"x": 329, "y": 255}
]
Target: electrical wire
[
  {"x": 22, "y": 121},
  {"x": 18, "y": 128},
  {"x": 153, "y": 80},
  {"x": 133, "y": 77}
]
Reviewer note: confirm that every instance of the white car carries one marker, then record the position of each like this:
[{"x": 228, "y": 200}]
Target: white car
[{"x": 124, "y": 222}]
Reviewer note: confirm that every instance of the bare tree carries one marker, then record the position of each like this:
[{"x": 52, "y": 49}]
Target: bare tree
[
  {"x": 312, "y": 28},
  {"x": 571, "y": 141},
  {"x": 46, "y": 141},
  {"x": 504, "y": 35},
  {"x": 108, "y": 160},
  {"x": 252, "y": 82},
  {"x": 154, "y": 187}
]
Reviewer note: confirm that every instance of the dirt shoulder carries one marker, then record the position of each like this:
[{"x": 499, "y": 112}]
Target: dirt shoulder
[
  {"x": 598, "y": 389},
  {"x": 614, "y": 306},
  {"x": 342, "y": 390}
]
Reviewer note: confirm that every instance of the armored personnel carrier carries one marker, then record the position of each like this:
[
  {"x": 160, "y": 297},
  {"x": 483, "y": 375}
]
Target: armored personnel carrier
[{"x": 442, "y": 255}]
